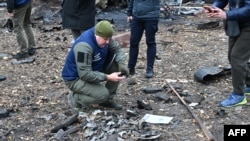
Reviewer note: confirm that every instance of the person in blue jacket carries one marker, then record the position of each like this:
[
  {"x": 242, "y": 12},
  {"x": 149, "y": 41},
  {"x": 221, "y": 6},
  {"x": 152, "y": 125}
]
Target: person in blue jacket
[
  {"x": 94, "y": 58},
  {"x": 143, "y": 15},
  {"x": 238, "y": 47},
  {"x": 20, "y": 12}
]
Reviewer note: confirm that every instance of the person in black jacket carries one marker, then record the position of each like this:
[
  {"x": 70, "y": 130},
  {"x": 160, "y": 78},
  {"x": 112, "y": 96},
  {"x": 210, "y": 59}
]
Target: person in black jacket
[
  {"x": 78, "y": 15},
  {"x": 143, "y": 15},
  {"x": 238, "y": 51},
  {"x": 20, "y": 12}
]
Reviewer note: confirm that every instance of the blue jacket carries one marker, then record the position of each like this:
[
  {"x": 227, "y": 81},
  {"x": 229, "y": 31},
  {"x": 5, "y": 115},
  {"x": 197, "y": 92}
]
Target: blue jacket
[
  {"x": 98, "y": 56},
  {"x": 13, "y": 4},
  {"x": 144, "y": 9},
  {"x": 241, "y": 14}
]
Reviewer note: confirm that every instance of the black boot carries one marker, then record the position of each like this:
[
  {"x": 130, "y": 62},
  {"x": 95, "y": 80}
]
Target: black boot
[
  {"x": 31, "y": 51},
  {"x": 149, "y": 73},
  {"x": 20, "y": 56},
  {"x": 111, "y": 104},
  {"x": 131, "y": 71}
]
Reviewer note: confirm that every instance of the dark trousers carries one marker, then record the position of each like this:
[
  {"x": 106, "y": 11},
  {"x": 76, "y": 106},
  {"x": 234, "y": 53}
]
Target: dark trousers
[
  {"x": 238, "y": 56},
  {"x": 76, "y": 33},
  {"x": 137, "y": 28}
]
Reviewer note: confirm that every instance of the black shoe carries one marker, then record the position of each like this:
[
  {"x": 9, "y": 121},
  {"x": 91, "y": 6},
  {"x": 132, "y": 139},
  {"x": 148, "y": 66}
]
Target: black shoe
[
  {"x": 149, "y": 73},
  {"x": 111, "y": 104},
  {"x": 2, "y": 78},
  {"x": 31, "y": 51},
  {"x": 20, "y": 56},
  {"x": 132, "y": 71}
]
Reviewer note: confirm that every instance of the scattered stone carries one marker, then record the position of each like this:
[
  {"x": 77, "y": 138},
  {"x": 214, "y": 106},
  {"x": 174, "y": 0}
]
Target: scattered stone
[
  {"x": 4, "y": 113},
  {"x": 144, "y": 105},
  {"x": 132, "y": 113},
  {"x": 131, "y": 81},
  {"x": 152, "y": 90},
  {"x": 65, "y": 124},
  {"x": 175, "y": 123},
  {"x": 2, "y": 78},
  {"x": 221, "y": 113},
  {"x": 162, "y": 96},
  {"x": 194, "y": 99},
  {"x": 59, "y": 134},
  {"x": 149, "y": 135}
]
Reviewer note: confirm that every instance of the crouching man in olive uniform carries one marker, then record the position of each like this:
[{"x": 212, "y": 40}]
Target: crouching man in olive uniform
[{"x": 93, "y": 59}]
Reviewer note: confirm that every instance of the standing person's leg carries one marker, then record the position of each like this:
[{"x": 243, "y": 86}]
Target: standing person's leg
[
  {"x": 151, "y": 27},
  {"x": 18, "y": 20},
  {"x": 231, "y": 42},
  {"x": 29, "y": 31},
  {"x": 247, "y": 82},
  {"x": 239, "y": 57},
  {"x": 76, "y": 33},
  {"x": 137, "y": 28}
]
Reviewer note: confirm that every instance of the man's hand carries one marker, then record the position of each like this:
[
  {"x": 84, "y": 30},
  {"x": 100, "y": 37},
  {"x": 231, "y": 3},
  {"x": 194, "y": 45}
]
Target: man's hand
[
  {"x": 115, "y": 77},
  {"x": 217, "y": 13},
  {"x": 123, "y": 69},
  {"x": 129, "y": 19},
  {"x": 10, "y": 15},
  {"x": 208, "y": 9}
]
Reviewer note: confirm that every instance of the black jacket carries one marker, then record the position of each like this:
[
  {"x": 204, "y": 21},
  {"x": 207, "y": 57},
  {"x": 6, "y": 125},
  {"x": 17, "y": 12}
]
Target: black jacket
[
  {"x": 144, "y": 9},
  {"x": 78, "y": 14}
]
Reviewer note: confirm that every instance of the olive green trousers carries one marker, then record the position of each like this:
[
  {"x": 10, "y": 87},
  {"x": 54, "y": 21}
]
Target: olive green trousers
[
  {"x": 238, "y": 56},
  {"x": 23, "y": 28},
  {"x": 93, "y": 92}
]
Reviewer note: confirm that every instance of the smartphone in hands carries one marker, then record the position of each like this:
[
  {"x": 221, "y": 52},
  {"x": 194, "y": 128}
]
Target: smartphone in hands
[{"x": 122, "y": 74}]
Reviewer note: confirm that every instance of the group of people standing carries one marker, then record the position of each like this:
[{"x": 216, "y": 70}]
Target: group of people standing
[{"x": 96, "y": 64}]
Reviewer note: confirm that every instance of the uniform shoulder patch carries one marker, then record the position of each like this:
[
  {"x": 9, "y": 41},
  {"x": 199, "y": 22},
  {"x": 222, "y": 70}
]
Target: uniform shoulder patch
[{"x": 80, "y": 57}]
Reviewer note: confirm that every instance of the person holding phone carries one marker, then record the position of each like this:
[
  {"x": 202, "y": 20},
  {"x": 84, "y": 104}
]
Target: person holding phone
[
  {"x": 94, "y": 67},
  {"x": 238, "y": 47}
]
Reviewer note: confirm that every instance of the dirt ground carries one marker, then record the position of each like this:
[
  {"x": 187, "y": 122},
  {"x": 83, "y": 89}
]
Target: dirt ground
[{"x": 36, "y": 97}]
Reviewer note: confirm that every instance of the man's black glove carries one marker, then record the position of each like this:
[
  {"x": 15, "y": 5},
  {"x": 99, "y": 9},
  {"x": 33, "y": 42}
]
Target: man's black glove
[{"x": 123, "y": 69}]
